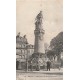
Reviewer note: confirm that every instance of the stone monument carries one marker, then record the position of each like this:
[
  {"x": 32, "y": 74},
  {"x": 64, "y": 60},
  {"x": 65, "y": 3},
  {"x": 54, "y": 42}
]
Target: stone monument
[
  {"x": 39, "y": 35},
  {"x": 39, "y": 50}
]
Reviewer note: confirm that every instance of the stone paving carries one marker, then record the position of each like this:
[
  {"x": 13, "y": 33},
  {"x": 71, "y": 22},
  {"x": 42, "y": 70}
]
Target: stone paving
[{"x": 54, "y": 74}]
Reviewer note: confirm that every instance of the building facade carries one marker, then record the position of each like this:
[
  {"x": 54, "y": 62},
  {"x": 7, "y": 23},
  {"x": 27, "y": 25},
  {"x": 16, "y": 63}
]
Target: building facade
[{"x": 23, "y": 51}]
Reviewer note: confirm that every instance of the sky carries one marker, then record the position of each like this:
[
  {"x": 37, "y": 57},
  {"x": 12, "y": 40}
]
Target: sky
[{"x": 26, "y": 12}]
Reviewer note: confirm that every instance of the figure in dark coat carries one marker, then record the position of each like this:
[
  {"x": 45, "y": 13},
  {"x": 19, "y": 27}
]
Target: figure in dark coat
[
  {"x": 48, "y": 65},
  {"x": 31, "y": 65}
]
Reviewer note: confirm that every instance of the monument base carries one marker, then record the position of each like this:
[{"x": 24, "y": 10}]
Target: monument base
[{"x": 39, "y": 61}]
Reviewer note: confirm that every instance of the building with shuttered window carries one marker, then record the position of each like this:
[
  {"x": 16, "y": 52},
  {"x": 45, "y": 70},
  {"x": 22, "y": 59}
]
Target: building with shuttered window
[{"x": 23, "y": 51}]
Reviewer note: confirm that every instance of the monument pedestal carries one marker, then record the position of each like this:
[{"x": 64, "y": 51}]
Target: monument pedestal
[{"x": 39, "y": 61}]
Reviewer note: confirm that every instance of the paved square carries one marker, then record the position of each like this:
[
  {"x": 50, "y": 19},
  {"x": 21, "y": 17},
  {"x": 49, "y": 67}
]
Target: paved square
[{"x": 40, "y": 75}]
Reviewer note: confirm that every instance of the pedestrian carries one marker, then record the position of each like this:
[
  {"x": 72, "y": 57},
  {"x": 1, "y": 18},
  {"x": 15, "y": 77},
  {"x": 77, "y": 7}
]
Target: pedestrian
[
  {"x": 31, "y": 65},
  {"x": 48, "y": 65}
]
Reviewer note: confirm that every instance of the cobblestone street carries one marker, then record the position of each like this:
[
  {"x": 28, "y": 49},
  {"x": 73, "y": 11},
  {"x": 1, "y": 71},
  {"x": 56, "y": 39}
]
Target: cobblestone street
[{"x": 40, "y": 75}]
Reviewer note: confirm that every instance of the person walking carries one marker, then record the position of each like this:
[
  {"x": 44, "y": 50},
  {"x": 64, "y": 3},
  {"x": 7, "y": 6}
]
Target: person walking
[
  {"x": 48, "y": 65},
  {"x": 31, "y": 65}
]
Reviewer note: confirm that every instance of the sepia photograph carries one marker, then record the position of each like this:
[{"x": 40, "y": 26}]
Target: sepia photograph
[{"x": 39, "y": 39}]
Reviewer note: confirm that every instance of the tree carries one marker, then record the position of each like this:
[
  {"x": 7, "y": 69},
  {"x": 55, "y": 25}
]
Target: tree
[{"x": 56, "y": 44}]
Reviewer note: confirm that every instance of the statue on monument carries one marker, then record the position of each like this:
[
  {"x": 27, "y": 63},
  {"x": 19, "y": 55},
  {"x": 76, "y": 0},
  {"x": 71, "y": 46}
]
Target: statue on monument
[{"x": 39, "y": 19}]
